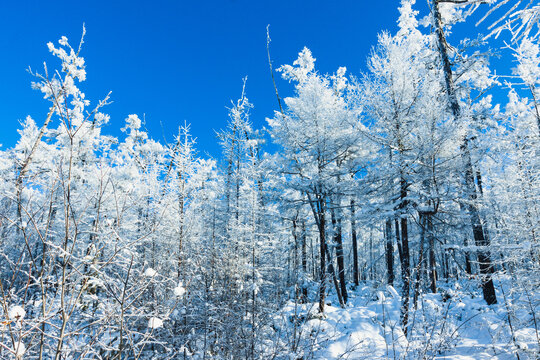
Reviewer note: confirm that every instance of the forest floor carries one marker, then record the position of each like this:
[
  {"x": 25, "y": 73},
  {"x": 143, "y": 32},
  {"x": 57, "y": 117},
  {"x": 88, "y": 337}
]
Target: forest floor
[{"x": 454, "y": 323}]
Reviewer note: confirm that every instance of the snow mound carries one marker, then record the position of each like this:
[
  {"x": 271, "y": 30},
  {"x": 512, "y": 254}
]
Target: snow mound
[
  {"x": 150, "y": 272},
  {"x": 155, "y": 323},
  {"x": 17, "y": 313},
  {"x": 454, "y": 323},
  {"x": 179, "y": 291}
]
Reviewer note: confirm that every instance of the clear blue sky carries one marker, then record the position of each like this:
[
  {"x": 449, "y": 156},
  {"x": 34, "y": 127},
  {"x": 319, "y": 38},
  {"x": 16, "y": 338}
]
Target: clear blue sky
[{"x": 180, "y": 60}]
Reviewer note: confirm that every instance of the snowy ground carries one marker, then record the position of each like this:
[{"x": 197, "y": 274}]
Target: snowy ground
[{"x": 453, "y": 324}]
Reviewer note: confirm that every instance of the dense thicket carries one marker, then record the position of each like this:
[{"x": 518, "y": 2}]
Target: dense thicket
[{"x": 407, "y": 174}]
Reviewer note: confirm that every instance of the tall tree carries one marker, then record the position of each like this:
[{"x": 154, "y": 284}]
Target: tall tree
[
  {"x": 471, "y": 205},
  {"x": 316, "y": 137}
]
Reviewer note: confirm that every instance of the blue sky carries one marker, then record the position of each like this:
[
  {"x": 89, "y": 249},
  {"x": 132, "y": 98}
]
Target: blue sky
[
  {"x": 176, "y": 61},
  {"x": 179, "y": 60}
]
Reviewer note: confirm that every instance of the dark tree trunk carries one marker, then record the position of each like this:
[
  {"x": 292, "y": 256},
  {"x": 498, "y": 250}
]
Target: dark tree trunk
[
  {"x": 318, "y": 211},
  {"x": 322, "y": 289},
  {"x": 304, "y": 260},
  {"x": 371, "y": 257},
  {"x": 478, "y": 230},
  {"x": 432, "y": 260},
  {"x": 300, "y": 242},
  {"x": 332, "y": 273},
  {"x": 405, "y": 262},
  {"x": 398, "y": 240},
  {"x": 336, "y": 222},
  {"x": 484, "y": 259},
  {"x": 389, "y": 252},
  {"x": 486, "y": 232},
  {"x": 468, "y": 265},
  {"x": 295, "y": 251},
  {"x": 420, "y": 266},
  {"x": 356, "y": 274}
]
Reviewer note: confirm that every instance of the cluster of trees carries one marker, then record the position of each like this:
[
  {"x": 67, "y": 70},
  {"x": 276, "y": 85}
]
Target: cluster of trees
[{"x": 406, "y": 175}]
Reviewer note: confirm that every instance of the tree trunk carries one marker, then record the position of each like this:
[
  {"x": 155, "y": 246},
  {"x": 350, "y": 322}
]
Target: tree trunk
[
  {"x": 478, "y": 231},
  {"x": 420, "y": 266},
  {"x": 398, "y": 240},
  {"x": 468, "y": 265},
  {"x": 304, "y": 261},
  {"x": 332, "y": 273},
  {"x": 389, "y": 252},
  {"x": 322, "y": 238},
  {"x": 484, "y": 259},
  {"x": 405, "y": 262},
  {"x": 432, "y": 261},
  {"x": 356, "y": 274},
  {"x": 321, "y": 222},
  {"x": 336, "y": 222}
]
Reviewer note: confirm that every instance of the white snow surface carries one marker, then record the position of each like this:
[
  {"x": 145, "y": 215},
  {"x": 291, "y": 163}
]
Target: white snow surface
[
  {"x": 155, "y": 323},
  {"x": 179, "y": 291},
  {"x": 149, "y": 272},
  {"x": 19, "y": 350},
  {"x": 16, "y": 312},
  {"x": 454, "y": 324}
]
